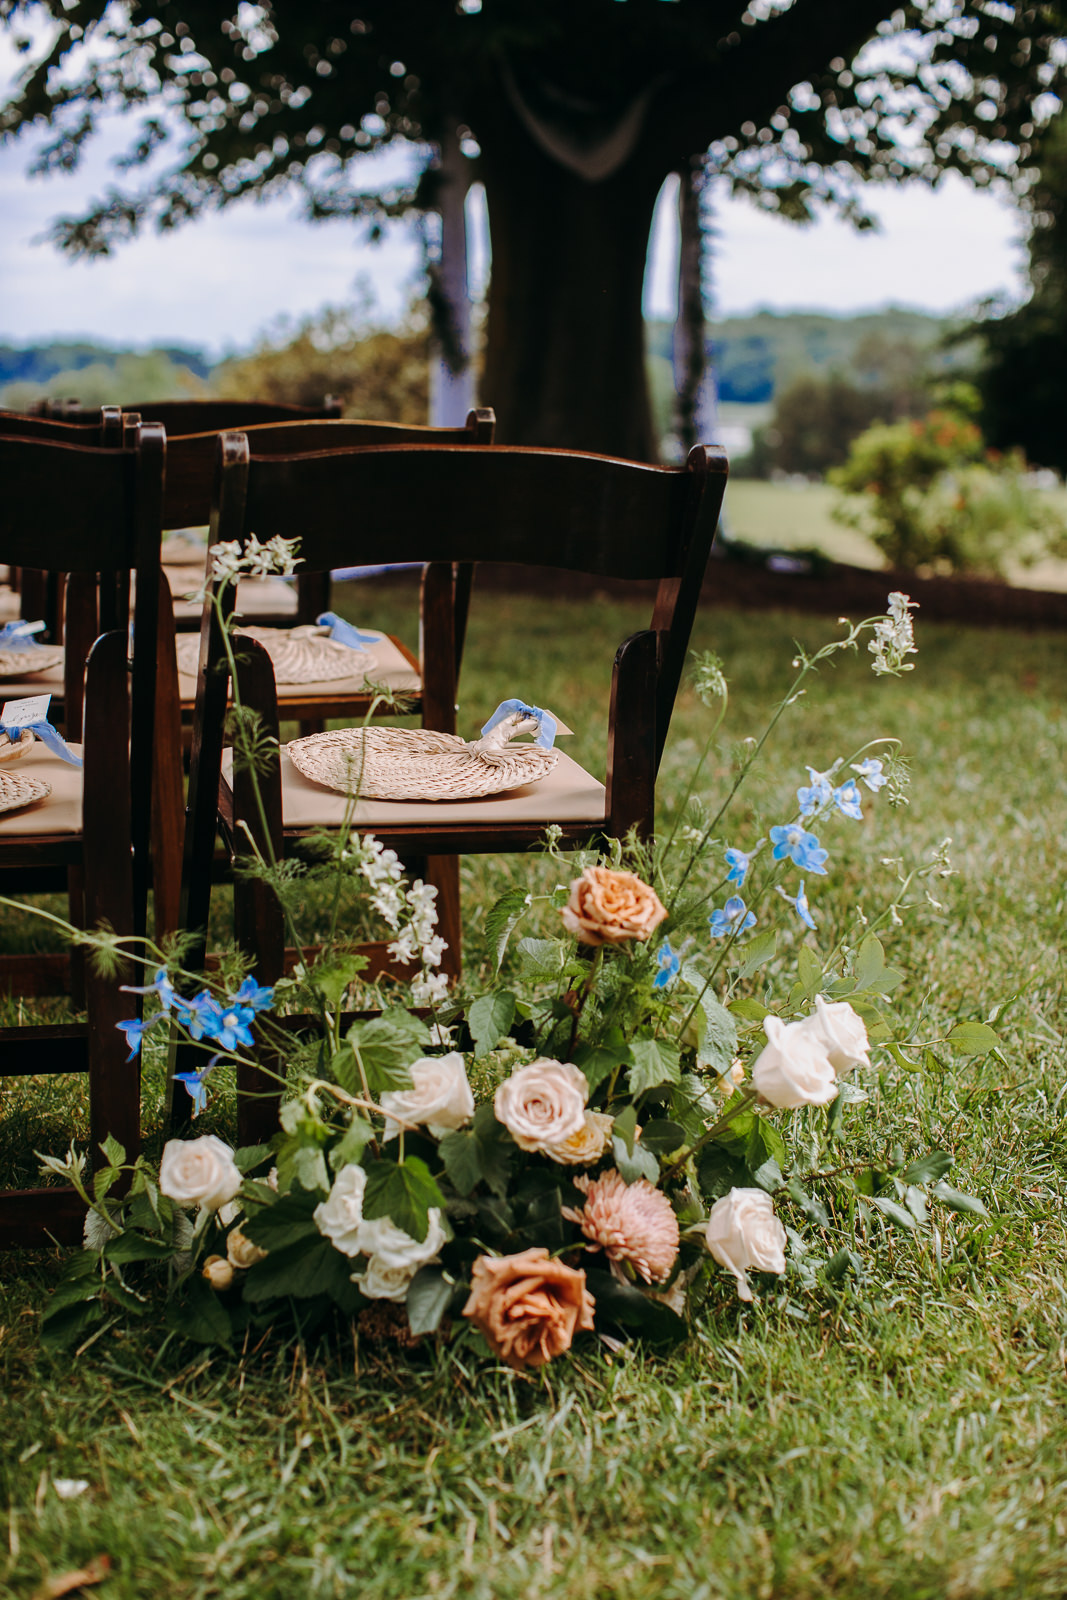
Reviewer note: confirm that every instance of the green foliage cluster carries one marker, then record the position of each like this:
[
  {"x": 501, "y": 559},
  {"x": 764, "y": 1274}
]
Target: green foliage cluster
[
  {"x": 375, "y": 371},
  {"x": 113, "y": 378},
  {"x": 930, "y": 495}
]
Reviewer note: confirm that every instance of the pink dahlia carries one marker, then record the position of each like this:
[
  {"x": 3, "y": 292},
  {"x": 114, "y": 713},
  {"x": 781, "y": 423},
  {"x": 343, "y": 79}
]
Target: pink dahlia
[{"x": 630, "y": 1222}]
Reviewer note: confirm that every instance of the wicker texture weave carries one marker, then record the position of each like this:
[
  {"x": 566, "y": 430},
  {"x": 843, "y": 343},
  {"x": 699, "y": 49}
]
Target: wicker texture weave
[
  {"x": 24, "y": 663},
  {"x": 419, "y": 764},
  {"x": 305, "y": 654},
  {"x": 18, "y": 789}
]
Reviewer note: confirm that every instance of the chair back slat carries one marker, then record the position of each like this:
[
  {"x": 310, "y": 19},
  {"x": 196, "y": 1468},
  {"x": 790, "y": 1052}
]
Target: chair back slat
[
  {"x": 199, "y": 416},
  {"x": 548, "y": 508}
]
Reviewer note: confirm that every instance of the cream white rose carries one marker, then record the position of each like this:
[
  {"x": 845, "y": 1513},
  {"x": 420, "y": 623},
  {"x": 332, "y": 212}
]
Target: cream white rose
[
  {"x": 793, "y": 1068},
  {"x": 743, "y": 1231},
  {"x": 218, "y": 1272},
  {"x": 588, "y": 1144},
  {"x": 340, "y": 1217},
  {"x": 198, "y": 1172},
  {"x": 542, "y": 1105},
  {"x": 440, "y": 1096},
  {"x": 395, "y": 1250},
  {"x": 240, "y": 1251},
  {"x": 380, "y": 1282},
  {"x": 842, "y": 1034}
]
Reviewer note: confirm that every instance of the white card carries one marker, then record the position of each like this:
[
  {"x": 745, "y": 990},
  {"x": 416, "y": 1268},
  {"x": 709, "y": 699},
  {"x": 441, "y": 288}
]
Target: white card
[{"x": 21, "y": 713}]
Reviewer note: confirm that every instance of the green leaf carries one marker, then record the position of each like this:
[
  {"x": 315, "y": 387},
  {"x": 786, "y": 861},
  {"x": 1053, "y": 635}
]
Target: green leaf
[
  {"x": 625, "y": 1126},
  {"x": 68, "y": 1325},
  {"x": 200, "y": 1315},
  {"x": 387, "y": 1045},
  {"x": 718, "y": 1172},
  {"x": 402, "y": 1192},
  {"x": 599, "y": 1061},
  {"x": 927, "y": 1169},
  {"x": 809, "y": 969},
  {"x": 114, "y": 1153},
  {"x": 542, "y": 958},
  {"x": 625, "y": 1305},
  {"x": 481, "y": 1154},
  {"x": 870, "y": 962},
  {"x": 810, "y": 1204},
  {"x": 636, "y": 1162},
  {"x": 348, "y": 1151},
  {"x": 844, "y": 1261},
  {"x": 718, "y": 1045},
  {"x": 502, "y": 920},
  {"x": 251, "y": 1156},
  {"x": 332, "y": 977},
  {"x": 955, "y": 1201},
  {"x": 135, "y": 1247},
  {"x": 895, "y": 1213},
  {"x": 490, "y": 1019},
  {"x": 748, "y": 1010},
  {"x": 758, "y": 951},
  {"x": 103, "y": 1180},
  {"x": 765, "y": 1143},
  {"x": 973, "y": 1038},
  {"x": 81, "y": 1281},
  {"x": 656, "y": 1061},
  {"x": 663, "y": 1136},
  {"x": 427, "y": 1301},
  {"x": 301, "y": 1270},
  {"x": 288, "y": 1221},
  {"x": 901, "y": 1059}
]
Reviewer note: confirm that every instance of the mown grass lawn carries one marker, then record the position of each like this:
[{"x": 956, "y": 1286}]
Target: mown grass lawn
[{"x": 902, "y": 1436}]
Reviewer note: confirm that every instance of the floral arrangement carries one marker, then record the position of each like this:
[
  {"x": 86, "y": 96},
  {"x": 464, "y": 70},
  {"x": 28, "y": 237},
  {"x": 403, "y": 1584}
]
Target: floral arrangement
[{"x": 655, "y": 1098}]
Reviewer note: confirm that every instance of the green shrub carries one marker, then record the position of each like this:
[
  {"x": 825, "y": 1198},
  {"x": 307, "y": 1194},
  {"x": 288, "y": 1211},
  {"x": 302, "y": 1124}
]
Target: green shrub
[{"x": 929, "y": 494}]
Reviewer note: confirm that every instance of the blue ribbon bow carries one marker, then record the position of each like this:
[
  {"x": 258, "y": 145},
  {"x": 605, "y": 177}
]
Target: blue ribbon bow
[
  {"x": 19, "y": 636},
  {"x": 546, "y": 724},
  {"x": 47, "y": 734},
  {"x": 344, "y": 632}
]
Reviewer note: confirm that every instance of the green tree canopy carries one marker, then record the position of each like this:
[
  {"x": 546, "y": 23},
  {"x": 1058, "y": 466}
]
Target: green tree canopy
[{"x": 577, "y": 114}]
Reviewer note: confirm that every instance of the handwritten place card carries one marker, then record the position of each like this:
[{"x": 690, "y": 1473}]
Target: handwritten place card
[{"x": 24, "y": 713}]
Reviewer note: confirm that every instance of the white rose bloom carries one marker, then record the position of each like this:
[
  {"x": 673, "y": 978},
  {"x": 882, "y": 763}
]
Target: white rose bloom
[
  {"x": 588, "y": 1144},
  {"x": 743, "y": 1231},
  {"x": 395, "y": 1250},
  {"x": 542, "y": 1105},
  {"x": 198, "y": 1172},
  {"x": 793, "y": 1068},
  {"x": 841, "y": 1033},
  {"x": 384, "y": 1283},
  {"x": 340, "y": 1218},
  {"x": 440, "y": 1096}
]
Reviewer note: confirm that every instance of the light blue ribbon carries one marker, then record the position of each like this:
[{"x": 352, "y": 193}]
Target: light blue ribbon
[
  {"x": 47, "y": 734},
  {"x": 546, "y": 724},
  {"x": 18, "y": 636},
  {"x": 344, "y": 632}
]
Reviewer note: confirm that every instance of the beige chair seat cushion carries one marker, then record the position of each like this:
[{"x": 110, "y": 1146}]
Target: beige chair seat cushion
[
  {"x": 391, "y": 668},
  {"x": 9, "y": 603},
  {"x": 256, "y": 597},
  {"x": 568, "y": 794},
  {"x": 59, "y": 812},
  {"x": 50, "y": 681}
]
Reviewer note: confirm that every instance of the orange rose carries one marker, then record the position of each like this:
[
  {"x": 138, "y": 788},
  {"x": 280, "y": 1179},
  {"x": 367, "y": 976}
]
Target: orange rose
[
  {"x": 607, "y": 907},
  {"x": 528, "y": 1306}
]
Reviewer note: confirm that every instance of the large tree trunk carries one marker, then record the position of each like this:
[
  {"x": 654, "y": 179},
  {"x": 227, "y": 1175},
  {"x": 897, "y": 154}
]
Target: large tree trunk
[{"x": 565, "y": 362}]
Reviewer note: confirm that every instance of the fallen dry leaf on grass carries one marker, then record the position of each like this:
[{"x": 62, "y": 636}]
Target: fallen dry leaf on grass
[{"x": 67, "y": 1582}]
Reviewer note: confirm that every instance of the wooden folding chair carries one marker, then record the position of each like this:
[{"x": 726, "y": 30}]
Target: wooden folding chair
[
  {"x": 199, "y": 416},
  {"x": 535, "y": 508},
  {"x": 95, "y": 515}
]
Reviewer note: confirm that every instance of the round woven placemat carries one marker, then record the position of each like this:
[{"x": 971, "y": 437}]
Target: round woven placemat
[
  {"x": 299, "y": 655},
  {"x": 11, "y": 750},
  {"x": 18, "y": 789},
  {"x": 24, "y": 663},
  {"x": 417, "y": 763}
]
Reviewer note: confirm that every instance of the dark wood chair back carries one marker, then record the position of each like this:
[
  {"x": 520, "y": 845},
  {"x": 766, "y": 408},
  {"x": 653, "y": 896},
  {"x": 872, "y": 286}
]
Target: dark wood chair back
[
  {"x": 96, "y": 515},
  {"x": 199, "y": 416}
]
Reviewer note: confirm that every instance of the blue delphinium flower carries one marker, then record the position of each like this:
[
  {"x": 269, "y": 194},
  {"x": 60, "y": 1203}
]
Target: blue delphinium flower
[
  {"x": 803, "y": 849},
  {"x": 227, "y": 1024},
  {"x": 135, "y": 1030},
  {"x": 196, "y": 1084},
  {"x": 199, "y": 1013},
  {"x": 739, "y": 862},
  {"x": 160, "y": 985},
  {"x": 818, "y": 795},
  {"x": 733, "y": 918},
  {"x": 254, "y": 996},
  {"x": 847, "y": 800},
  {"x": 669, "y": 964},
  {"x": 871, "y": 773},
  {"x": 799, "y": 902}
]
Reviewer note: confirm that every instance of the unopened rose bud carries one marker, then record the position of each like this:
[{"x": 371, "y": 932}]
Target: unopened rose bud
[{"x": 218, "y": 1272}]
